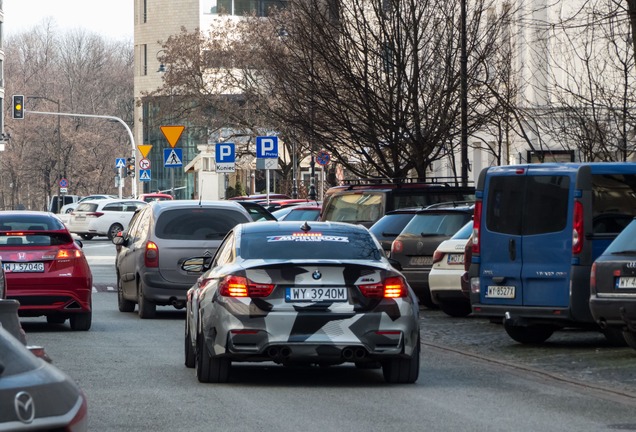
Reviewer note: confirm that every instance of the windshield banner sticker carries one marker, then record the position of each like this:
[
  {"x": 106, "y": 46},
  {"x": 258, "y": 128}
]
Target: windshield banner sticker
[{"x": 307, "y": 237}]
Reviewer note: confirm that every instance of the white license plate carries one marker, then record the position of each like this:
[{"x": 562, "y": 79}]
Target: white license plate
[
  {"x": 626, "y": 282},
  {"x": 421, "y": 260},
  {"x": 455, "y": 259},
  {"x": 315, "y": 294},
  {"x": 26, "y": 267},
  {"x": 501, "y": 292}
]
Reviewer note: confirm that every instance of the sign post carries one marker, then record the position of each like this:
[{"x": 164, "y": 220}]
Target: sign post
[
  {"x": 323, "y": 159},
  {"x": 267, "y": 156}
]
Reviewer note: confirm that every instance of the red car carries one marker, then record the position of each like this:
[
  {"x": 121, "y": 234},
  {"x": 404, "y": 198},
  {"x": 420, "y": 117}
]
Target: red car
[{"x": 45, "y": 268}]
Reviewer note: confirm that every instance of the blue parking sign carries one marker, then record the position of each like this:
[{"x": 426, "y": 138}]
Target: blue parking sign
[
  {"x": 267, "y": 147},
  {"x": 225, "y": 153}
]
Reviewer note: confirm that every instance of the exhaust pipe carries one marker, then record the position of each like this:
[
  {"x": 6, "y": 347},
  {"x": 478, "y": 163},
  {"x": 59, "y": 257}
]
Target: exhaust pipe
[
  {"x": 273, "y": 352},
  {"x": 602, "y": 323},
  {"x": 347, "y": 354},
  {"x": 178, "y": 304},
  {"x": 285, "y": 352},
  {"x": 360, "y": 353}
]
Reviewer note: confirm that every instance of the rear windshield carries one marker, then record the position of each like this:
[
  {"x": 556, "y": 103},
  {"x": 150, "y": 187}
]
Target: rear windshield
[
  {"x": 625, "y": 242},
  {"x": 197, "y": 223},
  {"x": 356, "y": 207},
  {"x": 314, "y": 245},
  {"x": 86, "y": 207},
  {"x": 445, "y": 224},
  {"x": 304, "y": 214},
  {"x": 30, "y": 223},
  {"x": 464, "y": 232},
  {"x": 391, "y": 224},
  {"x": 40, "y": 239}
]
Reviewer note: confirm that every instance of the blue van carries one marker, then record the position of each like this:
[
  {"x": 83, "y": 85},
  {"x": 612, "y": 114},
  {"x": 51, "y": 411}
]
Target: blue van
[{"x": 537, "y": 230}]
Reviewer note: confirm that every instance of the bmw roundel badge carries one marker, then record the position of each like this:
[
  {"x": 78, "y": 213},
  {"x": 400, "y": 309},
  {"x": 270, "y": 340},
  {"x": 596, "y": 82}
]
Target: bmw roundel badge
[{"x": 316, "y": 275}]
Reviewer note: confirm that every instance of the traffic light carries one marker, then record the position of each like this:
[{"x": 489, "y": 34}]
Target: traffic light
[
  {"x": 18, "y": 107},
  {"x": 130, "y": 167}
]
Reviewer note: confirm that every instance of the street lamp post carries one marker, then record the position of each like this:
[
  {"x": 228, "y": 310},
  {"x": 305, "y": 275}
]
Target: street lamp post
[{"x": 464, "y": 96}]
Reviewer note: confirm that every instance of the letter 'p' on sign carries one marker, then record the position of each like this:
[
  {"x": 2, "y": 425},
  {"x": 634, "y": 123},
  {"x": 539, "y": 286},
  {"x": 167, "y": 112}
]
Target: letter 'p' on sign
[
  {"x": 267, "y": 147},
  {"x": 225, "y": 153}
]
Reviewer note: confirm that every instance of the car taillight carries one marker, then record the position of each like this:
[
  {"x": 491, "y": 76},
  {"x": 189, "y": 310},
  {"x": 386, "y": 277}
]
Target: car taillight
[
  {"x": 437, "y": 256},
  {"x": 477, "y": 227},
  {"x": 95, "y": 214},
  {"x": 593, "y": 278},
  {"x": 151, "y": 255},
  {"x": 65, "y": 254},
  {"x": 577, "y": 228},
  {"x": 240, "y": 286},
  {"x": 391, "y": 287},
  {"x": 397, "y": 246}
]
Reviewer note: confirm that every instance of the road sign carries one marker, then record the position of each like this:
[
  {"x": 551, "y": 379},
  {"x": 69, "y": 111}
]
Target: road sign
[
  {"x": 144, "y": 164},
  {"x": 63, "y": 183},
  {"x": 145, "y": 175},
  {"x": 267, "y": 147},
  {"x": 63, "y": 190},
  {"x": 225, "y": 157},
  {"x": 172, "y": 134},
  {"x": 173, "y": 158},
  {"x": 322, "y": 158},
  {"x": 120, "y": 162},
  {"x": 266, "y": 164},
  {"x": 144, "y": 149}
]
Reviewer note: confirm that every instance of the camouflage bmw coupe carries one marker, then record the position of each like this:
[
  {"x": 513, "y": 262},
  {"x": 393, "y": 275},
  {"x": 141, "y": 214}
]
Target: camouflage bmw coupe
[{"x": 301, "y": 293}]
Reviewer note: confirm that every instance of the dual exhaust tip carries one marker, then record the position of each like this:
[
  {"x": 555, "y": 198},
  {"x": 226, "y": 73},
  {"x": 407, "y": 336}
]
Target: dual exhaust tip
[{"x": 348, "y": 353}]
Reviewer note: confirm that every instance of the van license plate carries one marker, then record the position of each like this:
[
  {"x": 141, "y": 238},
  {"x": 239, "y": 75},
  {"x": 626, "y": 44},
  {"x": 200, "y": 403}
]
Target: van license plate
[
  {"x": 498, "y": 291},
  {"x": 627, "y": 282}
]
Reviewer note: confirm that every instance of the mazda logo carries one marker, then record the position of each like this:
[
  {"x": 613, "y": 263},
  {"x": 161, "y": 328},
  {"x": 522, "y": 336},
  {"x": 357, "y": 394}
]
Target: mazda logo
[
  {"x": 316, "y": 275},
  {"x": 24, "y": 407}
]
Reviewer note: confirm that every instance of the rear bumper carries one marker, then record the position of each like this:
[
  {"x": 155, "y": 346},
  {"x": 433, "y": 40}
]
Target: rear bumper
[
  {"x": 161, "y": 291},
  {"x": 560, "y": 317},
  {"x": 51, "y": 301},
  {"x": 614, "y": 311}
]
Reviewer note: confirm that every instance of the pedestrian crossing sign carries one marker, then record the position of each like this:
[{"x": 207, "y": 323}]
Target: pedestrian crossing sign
[
  {"x": 144, "y": 175},
  {"x": 172, "y": 157}
]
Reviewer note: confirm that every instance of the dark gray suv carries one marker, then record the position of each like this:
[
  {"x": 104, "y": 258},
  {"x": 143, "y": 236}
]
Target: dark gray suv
[
  {"x": 415, "y": 245},
  {"x": 159, "y": 238}
]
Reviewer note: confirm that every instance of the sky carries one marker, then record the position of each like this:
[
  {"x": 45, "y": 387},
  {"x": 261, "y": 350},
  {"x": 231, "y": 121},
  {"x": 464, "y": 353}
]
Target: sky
[{"x": 112, "y": 19}]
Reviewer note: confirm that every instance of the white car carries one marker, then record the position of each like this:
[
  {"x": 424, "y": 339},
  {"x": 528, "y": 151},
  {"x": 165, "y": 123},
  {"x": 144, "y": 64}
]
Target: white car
[
  {"x": 72, "y": 206},
  {"x": 106, "y": 217},
  {"x": 444, "y": 279}
]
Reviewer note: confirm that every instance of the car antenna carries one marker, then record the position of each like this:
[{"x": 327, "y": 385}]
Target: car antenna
[{"x": 305, "y": 227}]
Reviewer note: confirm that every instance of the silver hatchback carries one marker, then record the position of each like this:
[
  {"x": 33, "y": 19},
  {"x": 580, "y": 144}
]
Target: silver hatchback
[{"x": 159, "y": 238}]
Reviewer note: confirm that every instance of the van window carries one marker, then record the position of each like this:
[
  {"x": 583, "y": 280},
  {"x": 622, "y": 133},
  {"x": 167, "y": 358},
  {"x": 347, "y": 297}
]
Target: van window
[
  {"x": 197, "y": 224},
  {"x": 515, "y": 202},
  {"x": 356, "y": 207}
]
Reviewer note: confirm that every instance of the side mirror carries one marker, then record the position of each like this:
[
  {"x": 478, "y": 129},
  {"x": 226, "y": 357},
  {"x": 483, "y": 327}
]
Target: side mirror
[
  {"x": 196, "y": 264},
  {"x": 118, "y": 240}
]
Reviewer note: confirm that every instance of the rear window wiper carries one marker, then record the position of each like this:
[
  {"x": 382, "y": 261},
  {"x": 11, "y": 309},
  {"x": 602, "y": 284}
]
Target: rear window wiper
[
  {"x": 386, "y": 234},
  {"x": 625, "y": 252},
  {"x": 430, "y": 234}
]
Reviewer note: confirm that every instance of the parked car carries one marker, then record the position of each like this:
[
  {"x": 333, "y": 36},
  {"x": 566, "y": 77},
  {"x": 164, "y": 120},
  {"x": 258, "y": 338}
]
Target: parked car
[
  {"x": 58, "y": 201},
  {"x": 259, "y": 197},
  {"x": 299, "y": 213},
  {"x": 366, "y": 201},
  {"x": 538, "y": 229},
  {"x": 300, "y": 293},
  {"x": 278, "y": 204},
  {"x": 105, "y": 217},
  {"x": 150, "y": 197},
  {"x": 391, "y": 225},
  {"x": 68, "y": 208},
  {"x": 45, "y": 269},
  {"x": 160, "y": 237},
  {"x": 613, "y": 286},
  {"x": 413, "y": 248},
  {"x": 35, "y": 395},
  {"x": 444, "y": 280},
  {"x": 257, "y": 211}
]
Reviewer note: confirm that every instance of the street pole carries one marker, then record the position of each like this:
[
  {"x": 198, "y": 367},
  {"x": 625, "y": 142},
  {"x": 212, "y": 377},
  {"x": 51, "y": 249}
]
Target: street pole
[
  {"x": 130, "y": 135},
  {"x": 464, "y": 97}
]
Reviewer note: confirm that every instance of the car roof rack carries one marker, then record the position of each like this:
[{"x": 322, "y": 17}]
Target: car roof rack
[
  {"x": 453, "y": 204},
  {"x": 433, "y": 181}
]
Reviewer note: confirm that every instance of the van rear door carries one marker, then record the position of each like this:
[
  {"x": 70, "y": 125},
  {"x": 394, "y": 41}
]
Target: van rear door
[{"x": 526, "y": 236}]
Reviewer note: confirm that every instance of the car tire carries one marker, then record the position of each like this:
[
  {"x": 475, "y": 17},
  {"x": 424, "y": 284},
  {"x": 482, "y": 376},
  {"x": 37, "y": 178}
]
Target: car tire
[
  {"x": 614, "y": 336},
  {"x": 630, "y": 338},
  {"x": 190, "y": 352},
  {"x": 530, "y": 335},
  {"x": 403, "y": 370},
  {"x": 114, "y": 230},
  {"x": 146, "y": 308},
  {"x": 211, "y": 369},
  {"x": 455, "y": 309},
  {"x": 68, "y": 211},
  {"x": 86, "y": 236},
  {"x": 123, "y": 304},
  {"x": 81, "y": 321},
  {"x": 55, "y": 319}
]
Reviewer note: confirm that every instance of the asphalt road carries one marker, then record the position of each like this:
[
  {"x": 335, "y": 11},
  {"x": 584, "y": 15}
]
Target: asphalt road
[{"x": 473, "y": 377}]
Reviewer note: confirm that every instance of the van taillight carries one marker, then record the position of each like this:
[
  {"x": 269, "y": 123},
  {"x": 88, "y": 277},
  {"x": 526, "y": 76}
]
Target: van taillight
[
  {"x": 477, "y": 227},
  {"x": 577, "y": 228},
  {"x": 151, "y": 255}
]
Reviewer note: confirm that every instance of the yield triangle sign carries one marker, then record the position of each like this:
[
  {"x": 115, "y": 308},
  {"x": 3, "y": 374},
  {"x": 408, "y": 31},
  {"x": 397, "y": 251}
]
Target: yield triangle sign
[
  {"x": 144, "y": 149},
  {"x": 172, "y": 134}
]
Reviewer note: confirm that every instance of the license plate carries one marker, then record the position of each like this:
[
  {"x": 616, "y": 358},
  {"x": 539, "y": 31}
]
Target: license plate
[
  {"x": 626, "y": 282},
  {"x": 498, "y": 291},
  {"x": 315, "y": 294},
  {"x": 421, "y": 261},
  {"x": 455, "y": 259},
  {"x": 26, "y": 267}
]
